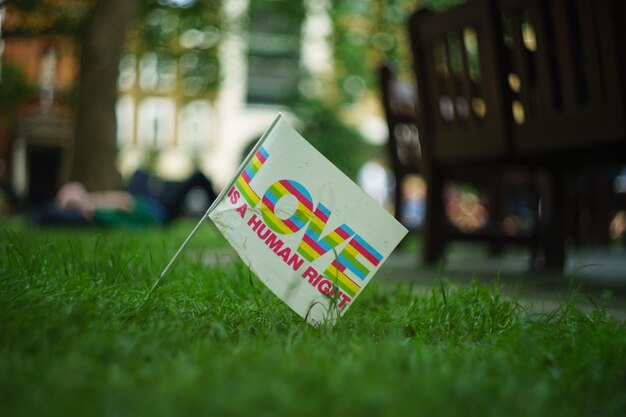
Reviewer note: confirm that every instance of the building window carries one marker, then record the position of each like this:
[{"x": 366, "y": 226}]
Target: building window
[
  {"x": 195, "y": 125},
  {"x": 156, "y": 122},
  {"x": 124, "y": 111},
  {"x": 274, "y": 51}
]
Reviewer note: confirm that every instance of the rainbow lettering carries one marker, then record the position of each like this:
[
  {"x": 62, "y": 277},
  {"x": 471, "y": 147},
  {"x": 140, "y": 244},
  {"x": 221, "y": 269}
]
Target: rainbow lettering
[
  {"x": 312, "y": 246},
  {"x": 302, "y": 214},
  {"x": 243, "y": 182},
  {"x": 349, "y": 268},
  {"x": 346, "y": 263}
]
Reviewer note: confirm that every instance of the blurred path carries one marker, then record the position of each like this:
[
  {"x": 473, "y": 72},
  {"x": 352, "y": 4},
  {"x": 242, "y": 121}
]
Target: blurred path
[{"x": 597, "y": 274}]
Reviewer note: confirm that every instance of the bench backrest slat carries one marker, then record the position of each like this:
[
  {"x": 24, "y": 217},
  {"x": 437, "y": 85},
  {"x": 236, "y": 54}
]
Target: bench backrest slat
[
  {"x": 461, "y": 101},
  {"x": 510, "y": 79}
]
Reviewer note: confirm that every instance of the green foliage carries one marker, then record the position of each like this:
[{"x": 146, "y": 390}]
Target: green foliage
[
  {"x": 14, "y": 88},
  {"x": 185, "y": 37},
  {"x": 342, "y": 145},
  {"x": 77, "y": 339},
  {"x": 320, "y": 124},
  {"x": 368, "y": 33}
]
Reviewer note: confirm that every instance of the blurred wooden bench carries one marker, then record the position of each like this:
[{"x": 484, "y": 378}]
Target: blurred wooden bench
[{"x": 536, "y": 86}]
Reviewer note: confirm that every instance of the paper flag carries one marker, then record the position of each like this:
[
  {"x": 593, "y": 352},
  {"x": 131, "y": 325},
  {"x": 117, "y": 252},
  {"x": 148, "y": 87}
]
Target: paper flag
[{"x": 304, "y": 228}]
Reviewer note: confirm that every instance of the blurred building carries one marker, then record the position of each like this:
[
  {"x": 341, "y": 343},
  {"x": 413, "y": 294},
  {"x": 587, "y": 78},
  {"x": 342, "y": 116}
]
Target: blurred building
[
  {"x": 167, "y": 119},
  {"x": 262, "y": 69},
  {"x": 163, "y": 120},
  {"x": 40, "y": 69}
]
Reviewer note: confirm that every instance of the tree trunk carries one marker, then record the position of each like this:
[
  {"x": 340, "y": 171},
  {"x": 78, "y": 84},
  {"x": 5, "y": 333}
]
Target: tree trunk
[{"x": 95, "y": 150}]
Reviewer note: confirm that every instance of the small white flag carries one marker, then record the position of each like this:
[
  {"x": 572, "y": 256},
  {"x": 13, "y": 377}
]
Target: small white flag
[{"x": 304, "y": 228}]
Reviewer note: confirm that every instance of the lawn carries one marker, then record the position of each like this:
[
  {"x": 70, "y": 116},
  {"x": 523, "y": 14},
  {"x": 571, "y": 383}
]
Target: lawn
[{"x": 76, "y": 339}]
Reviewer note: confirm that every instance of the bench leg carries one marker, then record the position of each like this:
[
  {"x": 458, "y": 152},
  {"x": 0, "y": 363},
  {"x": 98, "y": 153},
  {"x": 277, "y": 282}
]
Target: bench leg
[
  {"x": 539, "y": 190},
  {"x": 434, "y": 240},
  {"x": 554, "y": 237}
]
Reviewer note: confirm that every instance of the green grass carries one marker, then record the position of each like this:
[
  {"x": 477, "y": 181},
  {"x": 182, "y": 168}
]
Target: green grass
[{"x": 77, "y": 340}]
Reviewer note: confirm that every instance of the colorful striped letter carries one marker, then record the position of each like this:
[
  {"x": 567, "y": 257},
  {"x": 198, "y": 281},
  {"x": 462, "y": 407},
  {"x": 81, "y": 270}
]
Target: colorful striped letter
[
  {"x": 299, "y": 218},
  {"x": 313, "y": 245},
  {"x": 243, "y": 182},
  {"x": 347, "y": 271}
]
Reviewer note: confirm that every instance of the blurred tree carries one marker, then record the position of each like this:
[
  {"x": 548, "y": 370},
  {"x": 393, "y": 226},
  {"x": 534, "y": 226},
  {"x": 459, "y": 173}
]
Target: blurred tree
[
  {"x": 367, "y": 33},
  {"x": 182, "y": 37},
  {"x": 176, "y": 38},
  {"x": 95, "y": 150}
]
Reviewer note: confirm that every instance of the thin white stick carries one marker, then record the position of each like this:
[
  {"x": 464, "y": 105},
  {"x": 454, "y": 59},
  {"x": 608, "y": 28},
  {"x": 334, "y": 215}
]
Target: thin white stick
[
  {"x": 213, "y": 204},
  {"x": 169, "y": 265}
]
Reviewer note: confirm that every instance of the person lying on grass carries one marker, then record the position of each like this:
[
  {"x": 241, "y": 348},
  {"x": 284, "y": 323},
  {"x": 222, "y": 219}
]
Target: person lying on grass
[{"x": 146, "y": 201}]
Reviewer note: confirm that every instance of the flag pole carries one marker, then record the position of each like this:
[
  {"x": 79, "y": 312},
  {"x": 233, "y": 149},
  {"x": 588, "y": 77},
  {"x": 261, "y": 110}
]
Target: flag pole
[
  {"x": 169, "y": 265},
  {"x": 212, "y": 206}
]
